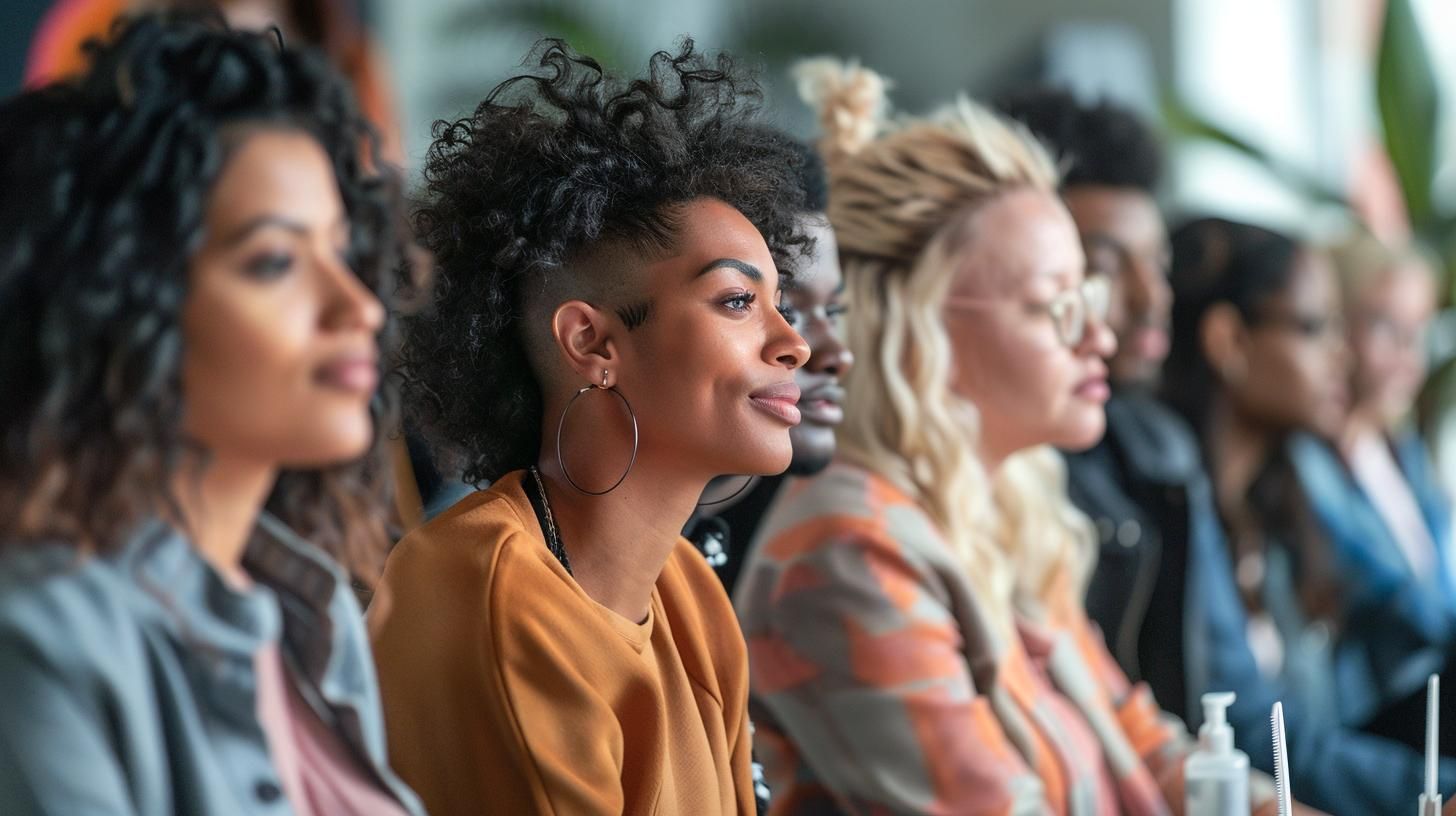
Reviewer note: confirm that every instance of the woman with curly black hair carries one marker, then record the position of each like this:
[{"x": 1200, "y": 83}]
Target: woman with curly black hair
[
  {"x": 193, "y": 255},
  {"x": 603, "y": 342}
]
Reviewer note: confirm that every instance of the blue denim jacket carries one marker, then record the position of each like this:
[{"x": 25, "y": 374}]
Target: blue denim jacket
[
  {"x": 1151, "y": 454},
  {"x": 1398, "y": 626},
  {"x": 127, "y": 683}
]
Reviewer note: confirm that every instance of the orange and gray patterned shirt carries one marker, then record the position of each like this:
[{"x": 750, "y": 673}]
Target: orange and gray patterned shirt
[{"x": 879, "y": 685}]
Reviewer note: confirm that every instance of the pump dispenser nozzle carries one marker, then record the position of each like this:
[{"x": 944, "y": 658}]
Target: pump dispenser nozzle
[
  {"x": 1216, "y": 776},
  {"x": 1215, "y": 736}
]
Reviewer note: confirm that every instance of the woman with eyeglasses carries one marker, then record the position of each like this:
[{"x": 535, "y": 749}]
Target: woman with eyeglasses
[
  {"x": 1259, "y": 368},
  {"x": 914, "y": 613},
  {"x": 1375, "y": 494}
]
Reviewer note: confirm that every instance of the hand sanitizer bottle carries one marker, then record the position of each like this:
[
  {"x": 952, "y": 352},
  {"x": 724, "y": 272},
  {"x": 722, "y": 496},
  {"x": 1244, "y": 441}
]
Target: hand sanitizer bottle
[{"x": 1216, "y": 775}]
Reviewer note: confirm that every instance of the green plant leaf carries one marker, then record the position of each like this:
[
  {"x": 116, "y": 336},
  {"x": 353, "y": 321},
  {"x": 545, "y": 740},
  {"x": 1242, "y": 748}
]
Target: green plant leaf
[{"x": 1409, "y": 106}]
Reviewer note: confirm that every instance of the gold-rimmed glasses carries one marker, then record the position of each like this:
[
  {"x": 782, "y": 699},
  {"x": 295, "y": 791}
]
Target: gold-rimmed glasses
[{"x": 1071, "y": 310}]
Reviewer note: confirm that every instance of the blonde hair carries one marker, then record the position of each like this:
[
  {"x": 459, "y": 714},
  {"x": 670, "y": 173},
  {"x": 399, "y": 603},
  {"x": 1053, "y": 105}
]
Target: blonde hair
[
  {"x": 1362, "y": 261},
  {"x": 901, "y": 196}
]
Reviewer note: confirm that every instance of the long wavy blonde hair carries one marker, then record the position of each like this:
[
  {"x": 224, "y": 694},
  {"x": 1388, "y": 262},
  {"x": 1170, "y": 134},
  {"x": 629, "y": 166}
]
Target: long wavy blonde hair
[{"x": 902, "y": 194}]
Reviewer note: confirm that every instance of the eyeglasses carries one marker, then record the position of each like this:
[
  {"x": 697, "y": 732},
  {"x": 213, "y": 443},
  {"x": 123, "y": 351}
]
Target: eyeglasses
[
  {"x": 1313, "y": 327},
  {"x": 1070, "y": 310},
  {"x": 1394, "y": 332}
]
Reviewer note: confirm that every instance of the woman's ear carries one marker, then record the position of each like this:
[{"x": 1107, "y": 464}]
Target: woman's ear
[
  {"x": 1224, "y": 338},
  {"x": 583, "y": 333}
]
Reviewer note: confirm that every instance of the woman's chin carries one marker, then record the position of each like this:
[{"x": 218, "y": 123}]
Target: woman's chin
[
  {"x": 337, "y": 447},
  {"x": 1084, "y": 435},
  {"x": 767, "y": 461}
]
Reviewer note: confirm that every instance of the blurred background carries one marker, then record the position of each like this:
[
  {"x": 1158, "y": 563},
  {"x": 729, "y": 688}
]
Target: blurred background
[{"x": 1299, "y": 114}]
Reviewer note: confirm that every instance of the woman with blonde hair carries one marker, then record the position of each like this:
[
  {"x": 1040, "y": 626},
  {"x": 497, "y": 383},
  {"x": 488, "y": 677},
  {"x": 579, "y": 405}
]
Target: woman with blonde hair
[
  {"x": 916, "y": 634},
  {"x": 1379, "y": 503}
]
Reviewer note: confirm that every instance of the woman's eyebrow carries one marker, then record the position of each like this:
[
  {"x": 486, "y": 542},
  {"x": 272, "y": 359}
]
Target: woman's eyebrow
[
  {"x": 749, "y": 270},
  {"x": 238, "y": 235}
]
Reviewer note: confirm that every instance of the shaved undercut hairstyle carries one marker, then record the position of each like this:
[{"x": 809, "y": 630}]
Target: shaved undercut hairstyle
[{"x": 563, "y": 184}]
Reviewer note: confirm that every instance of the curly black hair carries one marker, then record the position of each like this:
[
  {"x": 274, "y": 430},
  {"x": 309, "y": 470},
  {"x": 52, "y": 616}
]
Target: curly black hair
[
  {"x": 814, "y": 178},
  {"x": 106, "y": 182},
  {"x": 552, "y": 166},
  {"x": 1102, "y": 144}
]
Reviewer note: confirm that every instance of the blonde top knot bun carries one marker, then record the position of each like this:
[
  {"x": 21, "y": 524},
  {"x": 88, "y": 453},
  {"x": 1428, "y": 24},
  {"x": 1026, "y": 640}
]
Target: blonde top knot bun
[{"x": 851, "y": 101}]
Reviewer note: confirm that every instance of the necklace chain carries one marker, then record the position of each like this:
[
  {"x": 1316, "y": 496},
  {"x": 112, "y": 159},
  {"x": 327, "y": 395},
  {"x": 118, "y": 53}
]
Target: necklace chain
[{"x": 553, "y": 538}]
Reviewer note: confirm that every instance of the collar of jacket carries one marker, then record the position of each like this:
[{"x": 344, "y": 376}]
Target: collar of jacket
[{"x": 1155, "y": 444}]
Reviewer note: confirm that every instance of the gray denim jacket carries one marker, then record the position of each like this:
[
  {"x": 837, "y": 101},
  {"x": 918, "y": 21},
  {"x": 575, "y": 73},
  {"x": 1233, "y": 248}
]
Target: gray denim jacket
[{"x": 127, "y": 682}]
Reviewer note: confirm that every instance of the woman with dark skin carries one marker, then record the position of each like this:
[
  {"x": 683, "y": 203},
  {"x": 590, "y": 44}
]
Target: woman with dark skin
[
  {"x": 731, "y": 511},
  {"x": 603, "y": 342},
  {"x": 190, "y": 300}
]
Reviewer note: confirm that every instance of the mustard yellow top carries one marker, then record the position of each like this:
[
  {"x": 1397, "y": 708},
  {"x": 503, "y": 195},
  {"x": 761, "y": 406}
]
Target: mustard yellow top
[{"x": 507, "y": 689}]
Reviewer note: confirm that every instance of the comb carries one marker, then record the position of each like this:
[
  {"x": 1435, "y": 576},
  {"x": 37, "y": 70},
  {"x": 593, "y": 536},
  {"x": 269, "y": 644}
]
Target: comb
[{"x": 1281, "y": 761}]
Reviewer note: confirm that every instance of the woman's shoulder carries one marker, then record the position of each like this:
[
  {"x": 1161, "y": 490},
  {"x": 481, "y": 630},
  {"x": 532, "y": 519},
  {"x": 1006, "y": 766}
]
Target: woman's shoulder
[
  {"x": 483, "y": 555},
  {"x": 845, "y": 504},
  {"x": 65, "y": 609},
  {"x": 469, "y": 535}
]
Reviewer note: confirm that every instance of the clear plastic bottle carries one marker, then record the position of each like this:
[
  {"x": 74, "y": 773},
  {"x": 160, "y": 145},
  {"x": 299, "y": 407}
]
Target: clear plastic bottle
[{"x": 1217, "y": 775}]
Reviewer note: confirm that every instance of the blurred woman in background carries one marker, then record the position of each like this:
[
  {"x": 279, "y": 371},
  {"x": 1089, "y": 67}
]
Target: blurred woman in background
[
  {"x": 914, "y": 613},
  {"x": 194, "y": 266},
  {"x": 1258, "y": 356},
  {"x": 1377, "y": 496}
]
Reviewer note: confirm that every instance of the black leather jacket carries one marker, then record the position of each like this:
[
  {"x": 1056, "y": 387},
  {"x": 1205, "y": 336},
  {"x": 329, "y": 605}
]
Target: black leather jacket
[{"x": 1135, "y": 485}]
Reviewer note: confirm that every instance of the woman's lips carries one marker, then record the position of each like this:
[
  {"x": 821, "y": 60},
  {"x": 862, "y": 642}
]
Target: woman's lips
[
  {"x": 780, "y": 401},
  {"x": 823, "y": 405},
  {"x": 821, "y": 412},
  {"x": 1094, "y": 389},
  {"x": 353, "y": 374}
]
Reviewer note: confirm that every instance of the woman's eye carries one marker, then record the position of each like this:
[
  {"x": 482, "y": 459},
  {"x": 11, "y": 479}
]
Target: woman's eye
[
  {"x": 789, "y": 314},
  {"x": 739, "y": 302},
  {"x": 270, "y": 265},
  {"x": 837, "y": 309}
]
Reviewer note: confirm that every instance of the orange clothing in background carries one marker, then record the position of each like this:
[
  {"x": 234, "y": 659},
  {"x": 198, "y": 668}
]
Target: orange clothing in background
[
  {"x": 55, "y": 53},
  {"x": 507, "y": 689}
]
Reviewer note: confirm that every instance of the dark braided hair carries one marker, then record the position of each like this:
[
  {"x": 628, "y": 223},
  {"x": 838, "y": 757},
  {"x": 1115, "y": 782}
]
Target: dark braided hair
[
  {"x": 552, "y": 166},
  {"x": 106, "y": 180}
]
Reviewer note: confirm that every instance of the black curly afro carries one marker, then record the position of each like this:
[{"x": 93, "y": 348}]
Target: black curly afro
[
  {"x": 814, "y": 178},
  {"x": 1102, "y": 144},
  {"x": 105, "y": 186},
  {"x": 556, "y": 168}
]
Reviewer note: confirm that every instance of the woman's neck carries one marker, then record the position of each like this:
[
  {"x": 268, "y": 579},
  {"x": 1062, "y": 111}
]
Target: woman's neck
[
  {"x": 219, "y": 505},
  {"x": 1237, "y": 451},
  {"x": 618, "y": 543},
  {"x": 993, "y": 456}
]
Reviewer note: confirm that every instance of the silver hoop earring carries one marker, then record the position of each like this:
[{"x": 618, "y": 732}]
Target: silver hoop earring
[
  {"x": 730, "y": 497},
  {"x": 561, "y": 423}
]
